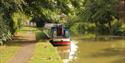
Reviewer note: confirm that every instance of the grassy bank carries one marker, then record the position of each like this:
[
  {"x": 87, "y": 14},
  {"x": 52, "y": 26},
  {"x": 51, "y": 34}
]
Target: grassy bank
[
  {"x": 7, "y": 51},
  {"x": 45, "y": 53}
]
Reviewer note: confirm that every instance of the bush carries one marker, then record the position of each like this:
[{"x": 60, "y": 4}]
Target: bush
[
  {"x": 40, "y": 35},
  {"x": 5, "y": 29},
  {"x": 103, "y": 30},
  {"x": 73, "y": 29},
  {"x": 118, "y": 29},
  {"x": 81, "y": 28},
  {"x": 90, "y": 28}
]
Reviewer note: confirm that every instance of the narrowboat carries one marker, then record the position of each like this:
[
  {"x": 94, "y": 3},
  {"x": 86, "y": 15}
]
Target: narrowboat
[{"x": 60, "y": 35}]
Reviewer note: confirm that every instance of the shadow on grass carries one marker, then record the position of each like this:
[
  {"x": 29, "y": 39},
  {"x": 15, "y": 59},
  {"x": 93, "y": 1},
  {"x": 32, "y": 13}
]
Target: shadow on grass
[{"x": 19, "y": 41}]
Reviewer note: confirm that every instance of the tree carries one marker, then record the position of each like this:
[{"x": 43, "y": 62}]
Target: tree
[
  {"x": 100, "y": 12},
  {"x": 7, "y": 8}
]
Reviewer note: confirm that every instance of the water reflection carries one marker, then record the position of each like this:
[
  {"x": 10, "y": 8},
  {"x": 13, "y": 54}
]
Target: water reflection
[
  {"x": 87, "y": 51},
  {"x": 68, "y": 53}
]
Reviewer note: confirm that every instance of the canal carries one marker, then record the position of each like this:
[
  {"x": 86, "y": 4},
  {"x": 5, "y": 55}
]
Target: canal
[{"x": 93, "y": 51}]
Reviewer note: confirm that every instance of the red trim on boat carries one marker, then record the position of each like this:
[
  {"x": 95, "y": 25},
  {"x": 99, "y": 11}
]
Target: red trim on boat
[{"x": 62, "y": 43}]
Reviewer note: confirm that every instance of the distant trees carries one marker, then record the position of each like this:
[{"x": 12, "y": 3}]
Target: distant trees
[{"x": 102, "y": 13}]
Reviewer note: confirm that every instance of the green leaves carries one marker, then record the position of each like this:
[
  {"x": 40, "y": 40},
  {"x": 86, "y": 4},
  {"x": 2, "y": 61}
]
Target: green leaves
[
  {"x": 4, "y": 33},
  {"x": 99, "y": 10}
]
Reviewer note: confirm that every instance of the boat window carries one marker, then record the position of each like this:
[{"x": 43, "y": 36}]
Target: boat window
[
  {"x": 54, "y": 34},
  {"x": 67, "y": 34},
  {"x": 59, "y": 31}
]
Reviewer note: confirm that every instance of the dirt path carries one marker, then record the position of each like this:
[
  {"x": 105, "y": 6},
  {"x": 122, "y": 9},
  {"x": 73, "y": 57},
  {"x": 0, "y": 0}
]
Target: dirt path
[{"x": 27, "y": 41}]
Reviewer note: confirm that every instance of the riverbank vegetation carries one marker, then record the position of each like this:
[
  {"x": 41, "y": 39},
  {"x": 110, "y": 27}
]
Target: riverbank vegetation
[{"x": 48, "y": 55}]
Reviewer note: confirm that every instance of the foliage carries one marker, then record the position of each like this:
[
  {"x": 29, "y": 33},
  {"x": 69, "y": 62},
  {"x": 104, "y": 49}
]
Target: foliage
[
  {"x": 118, "y": 28},
  {"x": 19, "y": 18},
  {"x": 5, "y": 32},
  {"x": 40, "y": 35},
  {"x": 100, "y": 12},
  {"x": 39, "y": 21},
  {"x": 50, "y": 10},
  {"x": 7, "y": 7},
  {"x": 81, "y": 28}
]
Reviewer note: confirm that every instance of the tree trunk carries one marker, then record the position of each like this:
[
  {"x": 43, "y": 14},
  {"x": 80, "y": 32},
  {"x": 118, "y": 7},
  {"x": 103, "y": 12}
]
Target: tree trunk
[
  {"x": 110, "y": 27},
  {"x": 96, "y": 31}
]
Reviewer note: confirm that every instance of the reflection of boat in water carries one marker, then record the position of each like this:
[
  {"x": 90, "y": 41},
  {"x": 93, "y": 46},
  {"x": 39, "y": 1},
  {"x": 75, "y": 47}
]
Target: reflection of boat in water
[
  {"x": 60, "y": 35},
  {"x": 64, "y": 51},
  {"x": 67, "y": 53}
]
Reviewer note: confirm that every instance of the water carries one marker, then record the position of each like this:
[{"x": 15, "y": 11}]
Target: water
[
  {"x": 83, "y": 51},
  {"x": 68, "y": 53}
]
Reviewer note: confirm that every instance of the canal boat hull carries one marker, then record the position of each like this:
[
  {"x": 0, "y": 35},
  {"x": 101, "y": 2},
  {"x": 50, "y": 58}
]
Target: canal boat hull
[{"x": 62, "y": 41}]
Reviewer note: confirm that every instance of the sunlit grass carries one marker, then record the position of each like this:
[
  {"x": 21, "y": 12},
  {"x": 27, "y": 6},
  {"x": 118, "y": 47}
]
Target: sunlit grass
[
  {"x": 45, "y": 53},
  {"x": 7, "y": 51},
  {"x": 25, "y": 29}
]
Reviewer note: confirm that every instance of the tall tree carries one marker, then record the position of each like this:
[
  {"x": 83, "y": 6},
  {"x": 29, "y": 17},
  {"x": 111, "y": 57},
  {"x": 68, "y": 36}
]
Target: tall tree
[
  {"x": 100, "y": 12},
  {"x": 7, "y": 8}
]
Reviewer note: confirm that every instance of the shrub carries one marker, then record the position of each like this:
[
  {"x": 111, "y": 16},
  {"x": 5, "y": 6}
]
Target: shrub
[
  {"x": 118, "y": 29},
  {"x": 40, "y": 35}
]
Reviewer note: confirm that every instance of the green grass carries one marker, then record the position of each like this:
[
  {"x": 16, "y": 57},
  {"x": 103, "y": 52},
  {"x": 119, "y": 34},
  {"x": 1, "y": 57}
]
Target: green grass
[
  {"x": 25, "y": 29},
  {"x": 45, "y": 53},
  {"x": 7, "y": 51}
]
